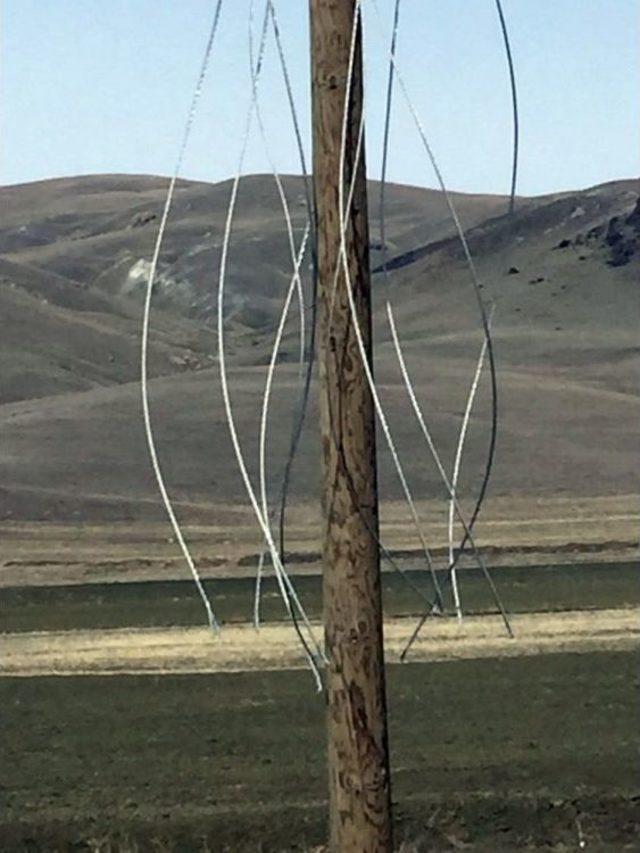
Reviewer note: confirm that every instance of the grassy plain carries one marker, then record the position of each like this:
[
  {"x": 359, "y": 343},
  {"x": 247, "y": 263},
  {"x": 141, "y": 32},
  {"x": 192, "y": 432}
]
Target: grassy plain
[
  {"x": 532, "y": 753},
  {"x": 493, "y": 754},
  {"x": 165, "y": 603}
]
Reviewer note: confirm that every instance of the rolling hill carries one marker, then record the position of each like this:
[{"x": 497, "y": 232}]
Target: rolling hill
[{"x": 562, "y": 273}]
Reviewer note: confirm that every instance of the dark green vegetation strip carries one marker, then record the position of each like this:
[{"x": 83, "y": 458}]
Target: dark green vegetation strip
[
  {"x": 158, "y": 603},
  {"x": 498, "y": 754}
]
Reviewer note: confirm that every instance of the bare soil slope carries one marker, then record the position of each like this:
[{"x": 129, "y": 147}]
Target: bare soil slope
[{"x": 562, "y": 274}]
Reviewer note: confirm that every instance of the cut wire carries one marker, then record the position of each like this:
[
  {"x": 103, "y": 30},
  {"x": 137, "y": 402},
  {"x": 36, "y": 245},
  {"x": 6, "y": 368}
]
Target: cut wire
[
  {"x": 267, "y": 391},
  {"x": 483, "y": 314},
  {"x": 453, "y": 503},
  {"x": 296, "y": 281},
  {"x": 286, "y": 588},
  {"x": 311, "y": 350},
  {"x": 144, "y": 357},
  {"x": 343, "y": 262},
  {"x": 456, "y": 467},
  {"x": 514, "y": 103}
]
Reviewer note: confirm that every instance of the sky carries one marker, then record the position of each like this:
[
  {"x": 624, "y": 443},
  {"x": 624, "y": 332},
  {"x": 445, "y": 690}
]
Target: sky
[{"x": 94, "y": 86}]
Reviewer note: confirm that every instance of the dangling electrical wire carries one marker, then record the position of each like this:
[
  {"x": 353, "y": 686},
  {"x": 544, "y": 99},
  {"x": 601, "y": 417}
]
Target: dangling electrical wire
[
  {"x": 391, "y": 318},
  {"x": 305, "y": 395},
  {"x": 475, "y": 281},
  {"x": 144, "y": 358},
  {"x": 311, "y": 350},
  {"x": 349, "y": 478},
  {"x": 385, "y": 140},
  {"x": 488, "y": 341},
  {"x": 476, "y": 286},
  {"x": 267, "y": 398},
  {"x": 277, "y": 179},
  {"x": 382, "y": 222},
  {"x": 514, "y": 102},
  {"x": 443, "y": 475},
  {"x": 300, "y": 416},
  {"x": 343, "y": 261},
  {"x": 287, "y": 590},
  {"x": 483, "y": 314},
  {"x": 424, "y": 140},
  {"x": 296, "y": 281},
  {"x": 456, "y": 468}
]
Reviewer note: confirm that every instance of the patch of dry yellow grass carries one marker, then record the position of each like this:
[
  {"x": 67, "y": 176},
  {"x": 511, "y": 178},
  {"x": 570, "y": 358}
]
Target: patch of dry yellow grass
[{"x": 275, "y": 646}]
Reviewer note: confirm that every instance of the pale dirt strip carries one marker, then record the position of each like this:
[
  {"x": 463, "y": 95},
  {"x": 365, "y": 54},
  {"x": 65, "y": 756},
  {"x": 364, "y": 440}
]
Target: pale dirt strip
[{"x": 241, "y": 648}]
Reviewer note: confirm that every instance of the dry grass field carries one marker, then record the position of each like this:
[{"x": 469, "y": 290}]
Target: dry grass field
[
  {"x": 169, "y": 738},
  {"x": 494, "y": 754},
  {"x": 511, "y": 531},
  {"x": 240, "y": 648}
]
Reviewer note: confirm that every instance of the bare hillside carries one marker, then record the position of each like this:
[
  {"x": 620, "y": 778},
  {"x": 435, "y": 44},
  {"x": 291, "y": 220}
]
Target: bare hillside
[{"x": 562, "y": 273}]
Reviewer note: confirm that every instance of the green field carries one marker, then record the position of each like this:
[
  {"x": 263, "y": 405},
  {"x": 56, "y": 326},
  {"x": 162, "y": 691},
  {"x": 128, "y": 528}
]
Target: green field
[
  {"x": 496, "y": 754},
  {"x": 161, "y": 603},
  {"x": 489, "y": 755}
]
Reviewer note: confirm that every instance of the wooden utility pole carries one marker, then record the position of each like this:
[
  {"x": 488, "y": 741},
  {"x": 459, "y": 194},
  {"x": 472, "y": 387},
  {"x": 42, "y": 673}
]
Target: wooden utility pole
[{"x": 359, "y": 784}]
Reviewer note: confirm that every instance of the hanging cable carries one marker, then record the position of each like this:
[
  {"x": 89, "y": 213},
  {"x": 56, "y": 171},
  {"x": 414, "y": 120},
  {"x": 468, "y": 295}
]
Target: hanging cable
[
  {"x": 296, "y": 280},
  {"x": 424, "y": 140},
  {"x": 277, "y": 179},
  {"x": 267, "y": 391},
  {"x": 286, "y": 588},
  {"x": 311, "y": 356},
  {"x": 514, "y": 102},
  {"x": 456, "y": 467},
  {"x": 477, "y": 290},
  {"x": 395, "y": 338},
  {"x": 467, "y": 536},
  {"x": 343, "y": 261},
  {"x": 299, "y": 418},
  {"x": 454, "y": 500},
  {"x": 382, "y": 222},
  {"x": 476, "y": 286},
  {"x": 144, "y": 356}
]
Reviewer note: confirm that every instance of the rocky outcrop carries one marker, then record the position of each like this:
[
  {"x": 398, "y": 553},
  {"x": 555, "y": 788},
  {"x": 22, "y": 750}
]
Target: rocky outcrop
[{"x": 618, "y": 238}]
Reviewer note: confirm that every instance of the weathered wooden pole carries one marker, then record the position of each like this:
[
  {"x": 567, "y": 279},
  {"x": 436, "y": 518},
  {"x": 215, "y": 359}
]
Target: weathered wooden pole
[{"x": 359, "y": 784}]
